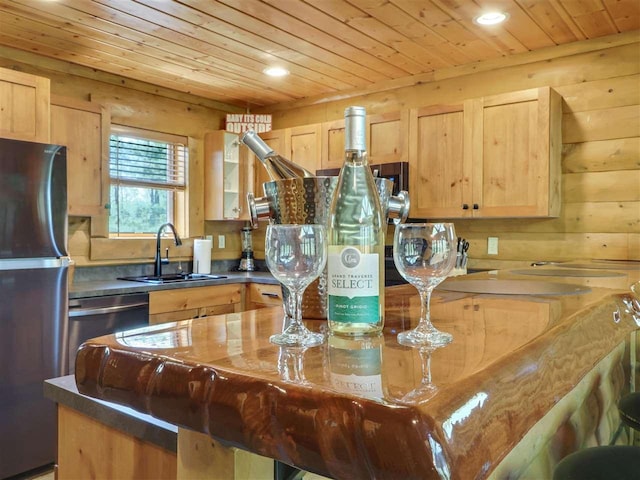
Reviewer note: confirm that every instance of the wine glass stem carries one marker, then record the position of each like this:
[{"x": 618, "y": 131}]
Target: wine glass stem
[
  {"x": 295, "y": 304},
  {"x": 425, "y": 325}
]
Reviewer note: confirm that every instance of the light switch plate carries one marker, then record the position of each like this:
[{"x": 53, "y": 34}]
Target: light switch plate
[
  {"x": 221, "y": 241},
  {"x": 492, "y": 246}
]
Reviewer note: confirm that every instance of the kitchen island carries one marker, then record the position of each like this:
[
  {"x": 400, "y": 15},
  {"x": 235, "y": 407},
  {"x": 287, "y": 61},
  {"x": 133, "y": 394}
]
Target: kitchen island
[{"x": 552, "y": 365}]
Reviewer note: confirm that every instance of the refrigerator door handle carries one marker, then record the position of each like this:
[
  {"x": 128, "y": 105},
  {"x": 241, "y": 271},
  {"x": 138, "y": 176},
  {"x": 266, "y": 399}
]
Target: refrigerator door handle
[{"x": 85, "y": 312}]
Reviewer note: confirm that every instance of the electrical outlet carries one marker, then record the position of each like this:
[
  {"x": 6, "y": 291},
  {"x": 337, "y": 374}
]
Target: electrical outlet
[
  {"x": 221, "y": 241},
  {"x": 209, "y": 237},
  {"x": 492, "y": 245}
]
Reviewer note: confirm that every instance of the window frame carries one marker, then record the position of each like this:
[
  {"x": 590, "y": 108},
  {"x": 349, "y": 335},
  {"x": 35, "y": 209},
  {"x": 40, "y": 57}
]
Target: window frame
[{"x": 179, "y": 194}]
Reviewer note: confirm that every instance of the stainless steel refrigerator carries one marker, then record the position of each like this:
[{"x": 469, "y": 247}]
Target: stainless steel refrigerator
[{"x": 33, "y": 299}]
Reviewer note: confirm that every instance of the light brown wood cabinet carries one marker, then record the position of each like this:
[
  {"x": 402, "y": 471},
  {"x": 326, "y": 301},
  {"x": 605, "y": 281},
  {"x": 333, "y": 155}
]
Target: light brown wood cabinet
[
  {"x": 277, "y": 141},
  {"x": 227, "y": 177},
  {"x": 194, "y": 302},
  {"x": 260, "y": 295},
  {"x": 84, "y": 128},
  {"x": 387, "y": 139},
  {"x": 24, "y": 106},
  {"x": 496, "y": 156},
  {"x": 302, "y": 145},
  {"x": 439, "y": 179},
  {"x": 332, "y": 137}
]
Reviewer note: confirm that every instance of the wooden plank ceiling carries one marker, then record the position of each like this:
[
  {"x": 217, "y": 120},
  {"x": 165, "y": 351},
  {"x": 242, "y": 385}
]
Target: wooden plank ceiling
[{"x": 218, "y": 49}]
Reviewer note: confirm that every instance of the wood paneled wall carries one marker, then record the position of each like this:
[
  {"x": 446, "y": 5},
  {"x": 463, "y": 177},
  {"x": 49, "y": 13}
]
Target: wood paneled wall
[
  {"x": 140, "y": 105},
  {"x": 599, "y": 81}
]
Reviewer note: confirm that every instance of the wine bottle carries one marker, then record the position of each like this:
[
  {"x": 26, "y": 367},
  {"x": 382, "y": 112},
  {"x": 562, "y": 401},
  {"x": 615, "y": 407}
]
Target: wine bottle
[
  {"x": 276, "y": 165},
  {"x": 356, "y": 231}
]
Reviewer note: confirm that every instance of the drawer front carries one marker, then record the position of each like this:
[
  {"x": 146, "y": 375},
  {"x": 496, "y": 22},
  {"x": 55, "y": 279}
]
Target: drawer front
[
  {"x": 263, "y": 294},
  {"x": 195, "y": 297}
]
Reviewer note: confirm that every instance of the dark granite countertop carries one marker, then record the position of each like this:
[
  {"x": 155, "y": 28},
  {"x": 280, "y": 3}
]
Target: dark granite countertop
[{"x": 98, "y": 288}]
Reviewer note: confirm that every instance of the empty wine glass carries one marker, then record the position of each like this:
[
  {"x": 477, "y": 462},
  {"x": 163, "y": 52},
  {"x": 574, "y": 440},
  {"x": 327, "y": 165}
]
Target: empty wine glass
[
  {"x": 296, "y": 255},
  {"x": 424, "y": 254}
]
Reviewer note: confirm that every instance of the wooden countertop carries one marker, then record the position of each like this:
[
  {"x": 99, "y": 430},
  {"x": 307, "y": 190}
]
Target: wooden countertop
[{"x": 352, "y": 409}]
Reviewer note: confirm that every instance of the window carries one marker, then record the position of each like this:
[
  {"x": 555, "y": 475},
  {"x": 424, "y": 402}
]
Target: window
[{"x": 148, "y": 181}]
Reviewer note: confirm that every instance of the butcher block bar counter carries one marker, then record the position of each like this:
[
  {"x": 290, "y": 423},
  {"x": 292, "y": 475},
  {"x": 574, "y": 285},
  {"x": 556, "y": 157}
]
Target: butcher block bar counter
[{"x": 527, "y": 379}]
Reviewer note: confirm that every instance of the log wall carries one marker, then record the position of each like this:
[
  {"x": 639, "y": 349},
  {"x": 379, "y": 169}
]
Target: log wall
[{"x": 600, "y": 85}]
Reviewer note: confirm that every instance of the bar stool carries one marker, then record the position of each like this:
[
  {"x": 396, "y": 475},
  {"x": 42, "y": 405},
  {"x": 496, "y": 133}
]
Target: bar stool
[
  {"x": 629, "y": 408},
  {"x": 611, "y": 462}
]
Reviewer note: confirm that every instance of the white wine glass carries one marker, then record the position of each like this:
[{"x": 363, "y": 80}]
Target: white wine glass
[
  {"x": 424, "y": 254},
  {"x": 296, "y": 255}
]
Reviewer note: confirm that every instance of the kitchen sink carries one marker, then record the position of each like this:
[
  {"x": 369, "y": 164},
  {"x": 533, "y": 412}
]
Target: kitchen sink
[{"x": 173, "y": 278}]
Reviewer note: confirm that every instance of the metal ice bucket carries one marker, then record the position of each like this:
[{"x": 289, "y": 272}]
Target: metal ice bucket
[{"x": 308, "y": 201}]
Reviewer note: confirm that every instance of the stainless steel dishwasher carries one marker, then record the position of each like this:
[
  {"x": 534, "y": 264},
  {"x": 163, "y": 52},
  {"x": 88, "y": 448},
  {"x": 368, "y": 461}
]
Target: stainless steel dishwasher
[{"x": 96, "y": 316}]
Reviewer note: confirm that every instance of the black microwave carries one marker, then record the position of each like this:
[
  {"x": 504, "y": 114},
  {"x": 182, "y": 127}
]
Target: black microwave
[{"x": 397, "y": 172}]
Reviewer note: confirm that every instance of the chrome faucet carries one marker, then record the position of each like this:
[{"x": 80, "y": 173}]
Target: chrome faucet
[{"x": 157, "y": 271}]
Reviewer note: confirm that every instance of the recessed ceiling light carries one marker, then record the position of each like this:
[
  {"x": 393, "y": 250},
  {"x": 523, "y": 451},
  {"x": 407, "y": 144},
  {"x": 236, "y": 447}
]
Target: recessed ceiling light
[
  {"x": 276, "y": 71},
  {"x": 491, "y": 18}
]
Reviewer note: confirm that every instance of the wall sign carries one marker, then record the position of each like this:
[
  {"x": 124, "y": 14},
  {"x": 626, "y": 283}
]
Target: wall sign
[{"x": 241, "y": 122}]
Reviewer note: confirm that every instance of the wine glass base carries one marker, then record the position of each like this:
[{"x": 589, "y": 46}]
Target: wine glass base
[
  {"x": 415, "y": 338},
  {"x": 308, "y": 339}
]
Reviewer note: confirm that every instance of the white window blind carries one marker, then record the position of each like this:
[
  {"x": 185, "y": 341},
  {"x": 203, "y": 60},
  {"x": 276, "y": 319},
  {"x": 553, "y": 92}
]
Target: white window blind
[
  {"x": 147, "y": 162},
  {"x": 149, "y": 181}
]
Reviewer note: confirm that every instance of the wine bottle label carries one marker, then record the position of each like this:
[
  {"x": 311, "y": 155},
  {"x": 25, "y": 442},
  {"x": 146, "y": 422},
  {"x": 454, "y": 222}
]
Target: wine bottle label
[{"x": 353, "y": 287}]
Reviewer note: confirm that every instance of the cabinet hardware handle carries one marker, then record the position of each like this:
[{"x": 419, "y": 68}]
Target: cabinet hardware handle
[
  {"x": 465, "y": 206},
  {"x": 476, "y": 206},
  {"x": 270, "y": 295}
]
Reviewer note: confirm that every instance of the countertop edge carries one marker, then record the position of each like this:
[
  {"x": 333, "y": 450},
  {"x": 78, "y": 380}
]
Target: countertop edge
[
  {"x": 99, "y": 288},
  {"x": 63, "y": 390}
]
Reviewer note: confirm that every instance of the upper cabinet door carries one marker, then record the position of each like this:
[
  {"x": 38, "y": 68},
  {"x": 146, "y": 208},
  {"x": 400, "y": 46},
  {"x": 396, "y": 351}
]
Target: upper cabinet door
[
  {"x": 24, "y": 106},
  {"x": 439, "y": 180},
  {"x": 276, "y": 140},
  {"x": 84, "y": 128},
  {"x": 332, "y": 144},
  {"x": 515, "y": 149},
  {"x": 387, "y": 137},
  {"x": 304, "y": 146}
]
